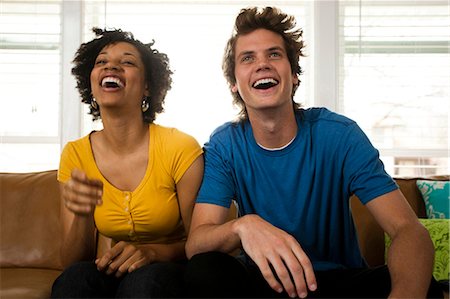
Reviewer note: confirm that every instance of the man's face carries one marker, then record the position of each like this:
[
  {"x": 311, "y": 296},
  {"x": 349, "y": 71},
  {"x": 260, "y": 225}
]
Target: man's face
[{"x": 264, "y": 78}]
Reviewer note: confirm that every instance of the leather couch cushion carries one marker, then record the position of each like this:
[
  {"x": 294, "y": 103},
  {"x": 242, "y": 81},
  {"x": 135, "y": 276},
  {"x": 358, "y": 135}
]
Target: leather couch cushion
[
  {"x": 26, "y": 282},
  {"x": 409, "y": 189},
  {"x": 30, "y": 230}
]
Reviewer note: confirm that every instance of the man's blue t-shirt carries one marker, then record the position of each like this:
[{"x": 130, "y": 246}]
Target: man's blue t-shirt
[{"x": 303, "y": 189}]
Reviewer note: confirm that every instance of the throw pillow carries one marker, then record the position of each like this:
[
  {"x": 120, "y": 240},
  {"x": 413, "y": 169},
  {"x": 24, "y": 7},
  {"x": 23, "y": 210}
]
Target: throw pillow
[
  {"x": 436, "y": 195},
  {"x": 439, "y": 233}
]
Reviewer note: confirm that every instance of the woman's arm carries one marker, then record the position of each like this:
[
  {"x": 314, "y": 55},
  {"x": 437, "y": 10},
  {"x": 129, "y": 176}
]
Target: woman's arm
[
  {"x": 187, "y": 189},
  {"x": 79, "y": 195}
]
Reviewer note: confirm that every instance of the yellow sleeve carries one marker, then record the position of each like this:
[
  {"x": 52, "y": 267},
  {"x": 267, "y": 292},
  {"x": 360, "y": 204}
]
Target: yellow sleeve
[
  {"x": 181, "y": 151},
  {"x": 71, "y": 158},
  {"x": 67, "y": 163}
]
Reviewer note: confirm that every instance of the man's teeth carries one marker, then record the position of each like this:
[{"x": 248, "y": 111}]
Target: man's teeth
[
  {"x": 112, "y": 82},
  {"x": 266, "y": 82}
]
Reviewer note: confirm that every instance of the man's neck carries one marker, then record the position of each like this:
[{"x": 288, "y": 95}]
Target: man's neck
[{"x": 273, "y": 131}]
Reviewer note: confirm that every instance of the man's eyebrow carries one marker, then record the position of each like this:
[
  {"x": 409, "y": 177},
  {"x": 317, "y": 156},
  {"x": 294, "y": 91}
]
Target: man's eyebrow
[
  {"x": 245, "y": 53},
  {"x": 276, "y": 48}
]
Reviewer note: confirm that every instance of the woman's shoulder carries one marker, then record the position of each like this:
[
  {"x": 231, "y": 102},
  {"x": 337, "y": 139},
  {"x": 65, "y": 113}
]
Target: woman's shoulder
[
  {"x": 168, "y": 132},
  {"x": 171, "y": 135},
  {"x": 78, "y": 144}
]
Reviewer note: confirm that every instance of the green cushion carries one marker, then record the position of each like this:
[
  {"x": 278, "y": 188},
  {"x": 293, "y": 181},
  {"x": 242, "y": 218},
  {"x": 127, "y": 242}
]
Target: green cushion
[
  {"x": 439, "y": 233},
  {"x": 436, "y": 195}
]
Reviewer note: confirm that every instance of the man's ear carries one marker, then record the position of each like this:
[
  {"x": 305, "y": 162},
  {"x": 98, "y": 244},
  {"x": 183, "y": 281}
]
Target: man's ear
[{"x": 295, "y": 80}]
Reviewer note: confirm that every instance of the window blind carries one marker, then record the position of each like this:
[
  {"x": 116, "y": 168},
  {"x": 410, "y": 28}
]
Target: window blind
[
  {"x": 395, "y": 79},
  {"x": 29, "y": 83}
]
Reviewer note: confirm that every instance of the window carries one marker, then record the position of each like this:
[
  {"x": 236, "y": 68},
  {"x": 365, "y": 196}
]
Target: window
[
  {"x": 395, "y": 80},
  {"x": 29, "y": 84},
  {"x": 382, "y": 63}
]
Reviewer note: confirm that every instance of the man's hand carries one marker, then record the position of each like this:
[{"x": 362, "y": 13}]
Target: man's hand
[
  {"x": 82, "y": 194},
  {"x": 123, "y": 258},
  {"x": 272, "y": 248}
]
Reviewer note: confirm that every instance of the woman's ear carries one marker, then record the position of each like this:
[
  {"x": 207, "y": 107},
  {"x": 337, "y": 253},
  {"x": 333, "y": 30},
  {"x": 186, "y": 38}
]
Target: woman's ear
[{"x": 234, "y": 88}]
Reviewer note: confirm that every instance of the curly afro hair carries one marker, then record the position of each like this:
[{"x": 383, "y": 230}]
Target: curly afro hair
[{"x": 157, "y": 69}]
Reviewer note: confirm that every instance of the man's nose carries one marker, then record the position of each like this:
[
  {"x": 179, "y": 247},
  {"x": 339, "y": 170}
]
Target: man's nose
[{"x": 263, "y": 64}]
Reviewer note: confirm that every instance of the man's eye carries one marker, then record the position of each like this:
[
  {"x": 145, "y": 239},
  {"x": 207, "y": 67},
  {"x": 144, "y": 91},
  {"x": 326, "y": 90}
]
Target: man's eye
[
  {"x": 275, "y": 54},
  {"x": 246, "y": 59}
]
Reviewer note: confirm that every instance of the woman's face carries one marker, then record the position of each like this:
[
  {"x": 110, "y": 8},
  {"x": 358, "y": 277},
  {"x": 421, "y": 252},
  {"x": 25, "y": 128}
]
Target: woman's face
[{"x": 118, "y": 78}]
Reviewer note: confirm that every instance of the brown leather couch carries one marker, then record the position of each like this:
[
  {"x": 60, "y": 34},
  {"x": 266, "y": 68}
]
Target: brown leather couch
[{"x": 30, "y": 231}]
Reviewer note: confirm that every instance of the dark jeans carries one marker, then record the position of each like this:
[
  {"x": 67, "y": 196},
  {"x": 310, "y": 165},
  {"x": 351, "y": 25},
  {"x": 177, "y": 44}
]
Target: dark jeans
[
  {"x": 219, "y": 275},
  {"x": 83, "y": 280}
]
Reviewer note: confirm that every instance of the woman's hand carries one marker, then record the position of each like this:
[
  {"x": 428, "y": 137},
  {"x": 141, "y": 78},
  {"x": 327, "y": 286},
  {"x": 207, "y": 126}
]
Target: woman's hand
[
  {"x": 123, "y": 258},
  {"x": 81, "y": 194}
]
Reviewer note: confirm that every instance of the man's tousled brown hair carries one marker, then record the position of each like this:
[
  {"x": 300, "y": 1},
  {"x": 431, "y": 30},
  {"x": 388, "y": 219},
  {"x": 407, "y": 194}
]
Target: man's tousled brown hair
[{"x": 269, "y": 18}]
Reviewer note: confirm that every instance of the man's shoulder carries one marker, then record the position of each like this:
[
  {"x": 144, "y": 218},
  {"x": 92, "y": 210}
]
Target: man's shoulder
[
  {"x": 323, "y": 116},
  {"x": 227, "y": 130}
]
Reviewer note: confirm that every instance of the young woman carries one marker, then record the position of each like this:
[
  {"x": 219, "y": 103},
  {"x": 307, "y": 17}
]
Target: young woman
[{"x": 134, "y": 181}]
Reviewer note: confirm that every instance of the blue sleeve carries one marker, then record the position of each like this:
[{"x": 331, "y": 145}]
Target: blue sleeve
[
  {"x": 363, "y": 170},
  {"x": 218, "y": 184}
]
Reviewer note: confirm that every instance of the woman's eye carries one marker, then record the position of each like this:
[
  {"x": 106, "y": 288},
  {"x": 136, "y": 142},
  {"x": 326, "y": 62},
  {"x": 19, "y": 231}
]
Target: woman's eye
[
  {"x": 128, "y": 62},
  {"x": 100, "y": 61}
]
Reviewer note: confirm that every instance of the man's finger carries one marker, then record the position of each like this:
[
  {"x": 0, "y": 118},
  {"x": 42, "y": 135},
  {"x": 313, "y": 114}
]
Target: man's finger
[
  {"x": 308, "y": 270},
  {"x": 269, "y": 276},
  {"x": 282, "y": 272}
]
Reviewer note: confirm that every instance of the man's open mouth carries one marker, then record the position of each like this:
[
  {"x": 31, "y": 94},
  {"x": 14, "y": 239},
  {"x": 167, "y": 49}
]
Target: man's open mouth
[{"x": 265, "y": 83}]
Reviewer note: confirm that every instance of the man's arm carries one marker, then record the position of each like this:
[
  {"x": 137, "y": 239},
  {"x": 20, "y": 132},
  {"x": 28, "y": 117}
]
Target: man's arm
[
  {"x": 210, "y": 231},
  {"x": 267, "y": 246},
  {"x": 411, "y": 255}
]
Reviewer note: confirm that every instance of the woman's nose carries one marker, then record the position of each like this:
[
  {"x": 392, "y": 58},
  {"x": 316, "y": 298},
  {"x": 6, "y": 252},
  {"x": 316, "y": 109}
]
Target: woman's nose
[{"x": 111, "y": 66}]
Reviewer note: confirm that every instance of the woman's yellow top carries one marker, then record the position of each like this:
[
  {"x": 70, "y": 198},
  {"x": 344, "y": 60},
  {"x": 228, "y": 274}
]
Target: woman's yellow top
[{"x": 150, "y": 213}]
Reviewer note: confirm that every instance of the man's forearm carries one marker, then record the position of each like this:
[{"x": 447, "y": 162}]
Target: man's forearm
[
  {"x": 410, "y": 262},
  {"x": 212, "y": 237}
]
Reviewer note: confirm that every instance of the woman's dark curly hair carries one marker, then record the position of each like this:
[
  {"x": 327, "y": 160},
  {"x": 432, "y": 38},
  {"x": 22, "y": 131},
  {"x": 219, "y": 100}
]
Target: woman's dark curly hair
[
  {"x": 157, "y": 70},
  {"x": 270, "y": 18}
]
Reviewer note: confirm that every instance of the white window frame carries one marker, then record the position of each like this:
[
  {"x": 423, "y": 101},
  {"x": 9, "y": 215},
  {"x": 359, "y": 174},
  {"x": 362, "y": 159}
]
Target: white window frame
[{"x": 70, "y": 108}]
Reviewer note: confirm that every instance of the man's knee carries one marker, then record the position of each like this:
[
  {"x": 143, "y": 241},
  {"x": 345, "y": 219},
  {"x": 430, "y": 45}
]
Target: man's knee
[{"x": 216, "y": 273}]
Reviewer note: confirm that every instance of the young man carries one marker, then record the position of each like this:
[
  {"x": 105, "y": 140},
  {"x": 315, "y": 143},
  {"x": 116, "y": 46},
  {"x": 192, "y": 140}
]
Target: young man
[{"x": 291, "y": 172}]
